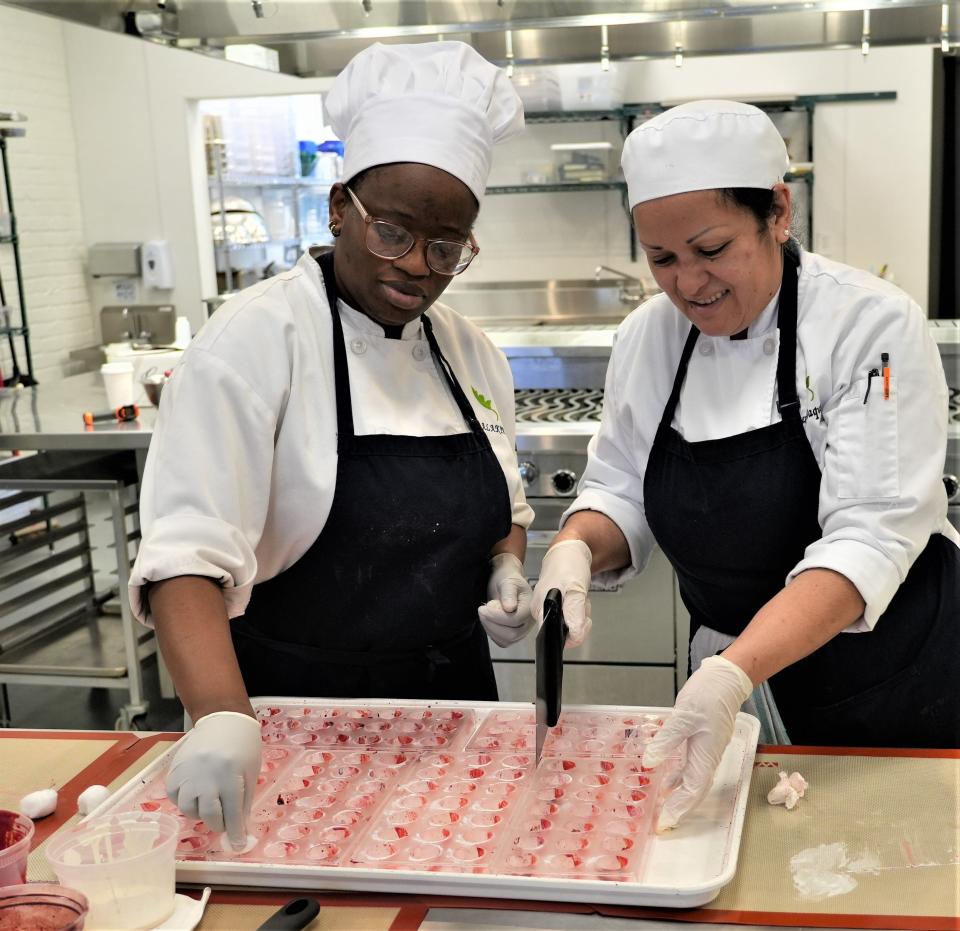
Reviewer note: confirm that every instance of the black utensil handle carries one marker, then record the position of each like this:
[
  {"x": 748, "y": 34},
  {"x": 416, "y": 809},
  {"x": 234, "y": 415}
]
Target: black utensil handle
[{"x": 294, "y": 916}]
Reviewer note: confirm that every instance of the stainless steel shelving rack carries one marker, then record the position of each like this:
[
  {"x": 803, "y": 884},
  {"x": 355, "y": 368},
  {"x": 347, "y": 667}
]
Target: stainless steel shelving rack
[
  {"x": 55, "y": 629},
  {"x": 629, "y": 115},
  {"x": 7, "y": 327}
]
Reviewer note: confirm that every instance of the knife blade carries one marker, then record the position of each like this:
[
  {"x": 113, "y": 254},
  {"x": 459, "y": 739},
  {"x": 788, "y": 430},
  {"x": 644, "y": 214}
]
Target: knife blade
[{"x": 549, "y": 661}]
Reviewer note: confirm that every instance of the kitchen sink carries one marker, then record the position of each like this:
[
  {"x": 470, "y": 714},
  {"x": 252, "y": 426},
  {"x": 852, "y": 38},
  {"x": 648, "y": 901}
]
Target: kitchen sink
[{"x": 555, "y": 301}]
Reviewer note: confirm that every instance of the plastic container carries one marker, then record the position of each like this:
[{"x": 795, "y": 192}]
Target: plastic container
[
  {"x": 124, "y": 864},
  {"x": 586, "y": 86},
  {"x": 583, "y": 162},
  {"x": 42, "y": 907},
  {"x": 330, "y": 161},
  {"x": 118, "y": 382},
  {"x": 16, "y": 833},
  {"x": 538, "y": 89},
  {"x": 308, "y": 158}
]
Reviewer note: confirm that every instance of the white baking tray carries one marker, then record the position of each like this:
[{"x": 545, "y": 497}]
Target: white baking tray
[{"x": 684, "y": 868}]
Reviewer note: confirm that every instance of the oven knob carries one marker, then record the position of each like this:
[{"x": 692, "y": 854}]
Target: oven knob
[
  {"x": 528, "y": 471},
  {"x": 564, "y": 481},
  {"x": 952, "y": 484}
]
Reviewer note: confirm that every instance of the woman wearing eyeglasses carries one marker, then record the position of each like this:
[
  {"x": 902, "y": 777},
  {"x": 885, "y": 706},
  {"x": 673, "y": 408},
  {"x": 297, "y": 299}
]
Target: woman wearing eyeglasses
[{"x": 332, "y": 491}]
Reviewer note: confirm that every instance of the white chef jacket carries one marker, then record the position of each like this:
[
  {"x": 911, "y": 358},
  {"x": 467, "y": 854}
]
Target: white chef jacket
[
  {"x": 881, "y": 491},
  {"x": 240, "y": 475}
]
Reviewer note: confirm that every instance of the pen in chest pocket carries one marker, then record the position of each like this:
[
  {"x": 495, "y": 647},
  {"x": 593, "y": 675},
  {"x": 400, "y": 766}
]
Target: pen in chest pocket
[
  {"x": 885, "y": 363},
  {"x": 873, "y": 373}
]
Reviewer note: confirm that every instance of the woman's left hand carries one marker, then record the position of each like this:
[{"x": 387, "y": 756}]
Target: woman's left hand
[{"x": 506, "y": 616}]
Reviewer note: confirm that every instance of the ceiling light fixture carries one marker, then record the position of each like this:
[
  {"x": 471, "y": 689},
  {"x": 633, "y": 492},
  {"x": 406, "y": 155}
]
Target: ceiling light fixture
[
  {"x": 945, "y": 28},
  {"x": 509, "y": 40},
  {"x": 678, "y": 56},
  {"x": 604, "y": 49},
  {"x": 865, "y": 38},
  {"x": 257, "y": 9}
]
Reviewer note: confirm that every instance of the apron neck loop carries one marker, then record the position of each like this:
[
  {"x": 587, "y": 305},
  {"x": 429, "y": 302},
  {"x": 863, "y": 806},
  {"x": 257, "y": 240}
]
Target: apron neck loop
[
  {"x": 345, "y": 426},
  {"x": 788, "y": 404}
]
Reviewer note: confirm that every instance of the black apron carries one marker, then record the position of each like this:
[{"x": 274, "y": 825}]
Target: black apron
[
  {"x": 384, "y": 603},
  {"x": 734, "y": 516}
]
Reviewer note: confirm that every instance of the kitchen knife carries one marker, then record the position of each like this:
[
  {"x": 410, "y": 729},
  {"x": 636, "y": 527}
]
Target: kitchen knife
[
  {"x": 294, "y": 916},
  {"x": 550, "y": 640}
]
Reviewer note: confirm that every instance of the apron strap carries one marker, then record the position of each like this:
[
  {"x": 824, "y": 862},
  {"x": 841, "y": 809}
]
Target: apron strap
[
  {"x": 668, "y": 411},
  {"x": 341, "y": 376},
  {"x": 788, "y": 404},
  {"x": 465, "y": 409}
]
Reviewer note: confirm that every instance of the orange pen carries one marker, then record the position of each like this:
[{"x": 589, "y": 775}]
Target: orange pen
[{"x": 885, "y": 363}]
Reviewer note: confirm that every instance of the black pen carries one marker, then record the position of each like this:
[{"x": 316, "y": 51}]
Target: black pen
[{"x": 870, "y": 376}]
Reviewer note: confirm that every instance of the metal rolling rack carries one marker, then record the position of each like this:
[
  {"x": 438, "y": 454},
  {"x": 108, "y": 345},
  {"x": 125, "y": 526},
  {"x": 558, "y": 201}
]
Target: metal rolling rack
[
  {"x": 7, "y": 327},
  {"x": 55, "y": 632}
]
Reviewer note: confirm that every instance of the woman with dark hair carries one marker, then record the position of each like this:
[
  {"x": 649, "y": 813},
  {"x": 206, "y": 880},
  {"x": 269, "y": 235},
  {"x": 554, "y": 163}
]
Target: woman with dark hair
[
  {"x": 331, "y": 504},
  {"x": 776, "y": 423}
]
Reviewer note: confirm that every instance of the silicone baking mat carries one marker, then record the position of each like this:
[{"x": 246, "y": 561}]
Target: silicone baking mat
[
  {"x": 403, "y": 796},
  {"x": 877, "y": 833}
]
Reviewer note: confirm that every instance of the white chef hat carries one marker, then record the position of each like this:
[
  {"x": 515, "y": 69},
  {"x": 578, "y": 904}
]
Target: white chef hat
[
  {"x": 438, "y": 103},
  {"x": 700, "y": 146}
]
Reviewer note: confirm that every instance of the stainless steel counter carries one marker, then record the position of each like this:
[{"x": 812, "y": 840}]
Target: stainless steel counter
[{"x": 50, "y": 416}]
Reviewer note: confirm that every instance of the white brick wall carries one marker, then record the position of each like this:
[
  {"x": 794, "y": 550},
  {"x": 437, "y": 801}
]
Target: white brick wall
[{"x": 43, "y": 167}]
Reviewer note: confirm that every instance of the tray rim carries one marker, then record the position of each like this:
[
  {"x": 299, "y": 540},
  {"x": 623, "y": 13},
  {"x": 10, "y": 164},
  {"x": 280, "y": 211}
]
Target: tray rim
[{"x": 483, "y": 885}]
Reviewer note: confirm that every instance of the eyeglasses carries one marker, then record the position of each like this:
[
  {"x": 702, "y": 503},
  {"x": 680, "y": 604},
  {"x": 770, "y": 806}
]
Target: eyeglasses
[{"x": 389, "y": 241}]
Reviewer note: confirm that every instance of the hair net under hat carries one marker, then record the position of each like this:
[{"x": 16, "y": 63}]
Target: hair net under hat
[
  {"x": 438, "y": 103},
  {"x": 700, "y": 146}
]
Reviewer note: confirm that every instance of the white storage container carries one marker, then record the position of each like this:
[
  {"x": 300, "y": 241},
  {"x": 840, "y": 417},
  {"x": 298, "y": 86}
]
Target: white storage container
[
  {"x": 538, "y": 89},
  {"x": 588, "y": 87}
]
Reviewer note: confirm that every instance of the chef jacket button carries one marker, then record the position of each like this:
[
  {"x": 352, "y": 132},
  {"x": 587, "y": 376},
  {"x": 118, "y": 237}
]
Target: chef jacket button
[
  {"x": 358, "y": 346},
  {"x": 769, "y": 345},
  {"x": 420, "y": 351},
  {"x": 706, "y": 349}
]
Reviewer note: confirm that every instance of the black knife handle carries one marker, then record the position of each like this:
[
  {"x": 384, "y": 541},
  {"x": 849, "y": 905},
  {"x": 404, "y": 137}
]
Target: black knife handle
[
  {"x": 554, "y": 632},
  {"x": 294, "y": 916}
]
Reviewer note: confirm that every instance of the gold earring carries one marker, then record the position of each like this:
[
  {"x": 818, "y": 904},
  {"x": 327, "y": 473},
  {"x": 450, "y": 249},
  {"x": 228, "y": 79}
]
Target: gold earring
[{"x": 334, "y": 229}]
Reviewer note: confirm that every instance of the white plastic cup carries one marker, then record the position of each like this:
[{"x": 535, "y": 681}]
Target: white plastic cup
[
  {"x": 118, "y": 381},
  {"x": 124, "y": 863}
]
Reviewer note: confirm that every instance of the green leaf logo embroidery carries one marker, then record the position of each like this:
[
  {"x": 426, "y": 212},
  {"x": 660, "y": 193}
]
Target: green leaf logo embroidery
[
  {"x": 485, "y": 403},
  {"x": 813, "y": 396}
]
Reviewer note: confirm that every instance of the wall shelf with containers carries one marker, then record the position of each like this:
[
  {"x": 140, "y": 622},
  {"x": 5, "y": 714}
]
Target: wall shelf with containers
[
  {"x": 268, "y": 191},
  {"x": 793, "y": 115}
]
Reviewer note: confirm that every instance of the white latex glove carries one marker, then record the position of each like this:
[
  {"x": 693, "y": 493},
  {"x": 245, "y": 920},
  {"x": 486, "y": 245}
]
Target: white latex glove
[
  {"x": 704, "y": 716},
  {"x": 213, "y": 775},
  {"x": 567, "y": 568},
  {"x": 506, "y": 616}
]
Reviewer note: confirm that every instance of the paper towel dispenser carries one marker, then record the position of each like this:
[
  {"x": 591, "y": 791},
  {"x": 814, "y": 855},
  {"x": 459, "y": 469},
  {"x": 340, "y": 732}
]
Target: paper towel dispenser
[{"x": 120, "y": 259}]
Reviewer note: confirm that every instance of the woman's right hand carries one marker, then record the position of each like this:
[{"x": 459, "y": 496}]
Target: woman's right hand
[
  {"x": 567, "y": 567},
  {"x": 214, "y": 773}
]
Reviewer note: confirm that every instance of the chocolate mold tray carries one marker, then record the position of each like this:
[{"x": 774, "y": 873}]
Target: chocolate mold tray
[
  {"x": 403, "y": 796},
  {"x": 578, "y": 733}
]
